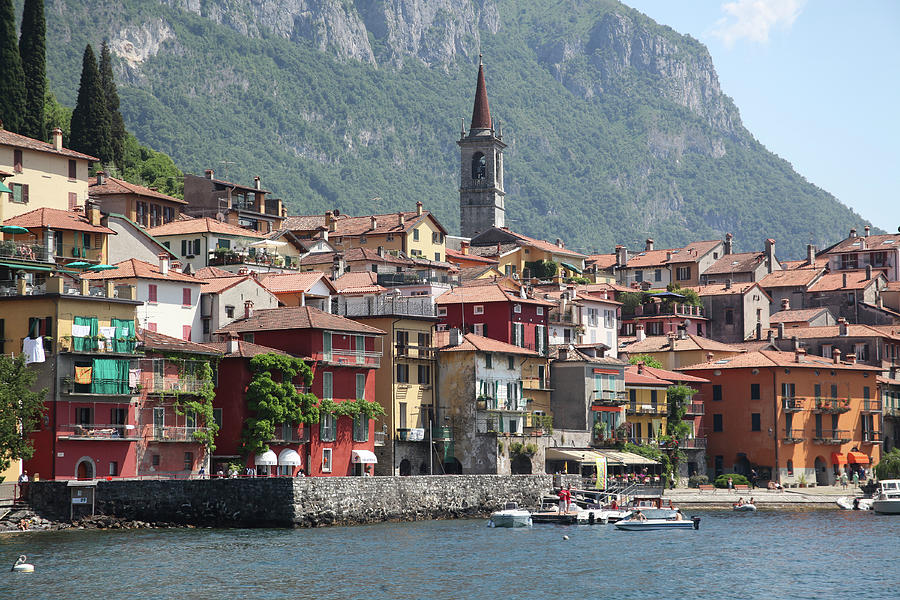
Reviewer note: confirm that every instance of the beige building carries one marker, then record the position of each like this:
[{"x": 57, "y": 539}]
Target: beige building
[{"x": 674, "y": 352}]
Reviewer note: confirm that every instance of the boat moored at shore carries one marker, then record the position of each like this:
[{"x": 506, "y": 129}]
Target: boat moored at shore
[{"x": 887, "y": 501}]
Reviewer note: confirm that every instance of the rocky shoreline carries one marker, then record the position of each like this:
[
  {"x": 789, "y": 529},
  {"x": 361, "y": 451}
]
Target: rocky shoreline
[{"x": 21, "y": 520}]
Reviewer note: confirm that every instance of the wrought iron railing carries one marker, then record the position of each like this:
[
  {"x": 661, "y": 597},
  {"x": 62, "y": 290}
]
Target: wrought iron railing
[
  {"x": 176, "y": 434},
  {"x": 832, "y": 436}
]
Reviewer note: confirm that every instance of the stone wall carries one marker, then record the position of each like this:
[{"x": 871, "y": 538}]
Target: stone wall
[{"x": 299, "y": 502}]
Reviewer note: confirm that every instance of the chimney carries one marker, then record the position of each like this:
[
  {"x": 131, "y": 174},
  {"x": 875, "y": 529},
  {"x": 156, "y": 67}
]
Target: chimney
[
  {"x": 770, "y": 254},
  {"x": 759, "y": 331},
  {"x": 781, "y": 331},
  {"x": 248, "y": 309},
  {"x": 419, "y": 208},
  {"x": 562, "y": 305},
  {"x": 836, "y": 355},
  {"x": 163, "y": 263},
  {"x": 639, "y": 332},
  {"x": 867, "y": 228},
  {"x": 233, "y": 346},
  {"x": 455, "y": 336},
  {"x": 728, "y": 243},
  {"x": 770, "y": 336},
  {"x": 799, "y": 353},
  {"x": 57, "y": 138},
  {"x": 862, "y": 243},
  {"x": 402, "y": 219},
  {"x": 621, "y": 256},
  {"x": 101, "y": 178},
  {"x": 559, "y": 243},
  {"x": 844, "y": 280},
  {"x": 464, "y": 247},
  {"x": 728, "y": 284},
  {"x": 785, "y": 304},
  {"x": 850, "y": 358},
  {"x": 209, "y": 173},
  {"x": 256, "y": 183},
  {"x": 843, "y": 330},
  {"x": 640, "y": 367},
  {"x": 92, "y": 213},
  {"x": 868, "y": 272},
  {"x": 853, "y": 232},
  {"x": 243, "y": 270},
  {"x": 795, "y": 343},
  {"x": 668, "y": 256},
  {"x": 709, "y": 356},
  {"x": 373, "y": 222},
  {"x": 810, "y": 254},
  {"x": 682, "y": 332},
  {"x": 329, "y": 221},
  {"x": 648, "y": 245},
  {"x": 573, "y": 292},
  {"x": 671, "y": 337}
]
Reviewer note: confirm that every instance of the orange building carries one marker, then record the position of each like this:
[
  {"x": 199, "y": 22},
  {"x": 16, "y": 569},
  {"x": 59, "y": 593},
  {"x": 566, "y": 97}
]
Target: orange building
[{"x": 792, "y": 417}]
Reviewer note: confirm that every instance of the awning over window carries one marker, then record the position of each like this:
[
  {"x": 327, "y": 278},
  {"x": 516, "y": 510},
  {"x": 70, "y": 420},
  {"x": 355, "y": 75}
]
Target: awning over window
[
  {"x": 365, "y": 457},
  {"x": 266, "y": 459},
  {"x": 838, "y": 459},
  {"x": 571, "y": 267},
  {"x": 857, "y": 458},
  {"x": 288, "y": 457}
]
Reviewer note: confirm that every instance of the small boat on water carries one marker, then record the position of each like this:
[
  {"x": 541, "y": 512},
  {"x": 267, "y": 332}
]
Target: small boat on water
[
  {"x": 657, "y": 518},
  {"x": 510, "y": 516},
  {"x": 887, "y": 500},
  {"x": 745, "y": 507},
  {"x": 855, "y": 503}
]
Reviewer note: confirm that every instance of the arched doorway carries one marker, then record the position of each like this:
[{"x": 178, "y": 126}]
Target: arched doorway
[
  {"x": 742, "y": 465},
  {"x": 521, "y": 465},
  {"x": 821, "y": 473},
  {"x": 84, "y": 469},
  {"x": 405, "y": 468},
  {"x": 453, "y": 467}
]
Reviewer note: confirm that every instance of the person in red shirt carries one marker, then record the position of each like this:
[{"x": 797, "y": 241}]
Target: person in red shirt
[{"x": 564, "y": 499}]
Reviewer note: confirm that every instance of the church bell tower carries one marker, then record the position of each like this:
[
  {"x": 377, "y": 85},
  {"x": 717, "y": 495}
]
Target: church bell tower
[{"x": 481, "y": 169}]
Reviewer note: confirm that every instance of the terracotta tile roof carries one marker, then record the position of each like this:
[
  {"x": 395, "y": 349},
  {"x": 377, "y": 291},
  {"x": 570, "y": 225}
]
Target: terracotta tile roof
[
  {"x": 772, "y": 358},
  {"x": 114, "y": 186},
  {"x": 361, "y": 282},
  {"x": 245, "y": 349},
  {"x": 231, "y": 184},
  {"x": 157, "y": 341},
  {"x": 212, "y": 272},
  {"x": 492, "y": 292},
  {"x": 796, "y": 316},
  {"x": 217, "y": 285},
  {"x": 53, "y": 218},
  {"x": 493, "y": 250},
  {"x": 657, "y": 343},
  {"x": 134, "y": 268},
  {"x": 673, "y": 376},
  {"x": 743, "y": 262},
  {"x": 872, "y": 242},
  {"x": 353, "y": 255},
  {"x": 651, "y": 258},
  {"x": 790, "y": 278},
  {"x": 601, "y": 261},
  {"x": 472, "y": 342},
  {"x": 753, "y": 345},
  {"x": 202, "y": 225},
  {"x": 306, "y": 222},
  {"x": 632, "y": 377},
  {"x": 386, "y": 223},
  {"x": 297, "y": 317},
  {"x": 657, "y": 258},
  {"x": 693, "y": 251},
  {"x": 576, "y": 354},
  {"x": 469, "y": 273},
  {"x": 856, "y": 280},
  {"x": 604, "y": 287},
  {"x": 544, "y": 245},
  {"x": 453, "y": 255},
  {"x": 736, "y": 288},
  {"x": 597, "y": 297},
  {"x": 8, "y": 138},
  {"x": 853, "y": 330},
  {"x": 279, "y": 283},
  {"x": 802, "y": 264}
]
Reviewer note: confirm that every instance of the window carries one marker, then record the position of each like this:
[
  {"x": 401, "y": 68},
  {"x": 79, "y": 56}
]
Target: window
[
  {"x": 717, "y": 393},
  {"x": 424, "y": 375},
  {"x": 442, "y": 311},
  {"x": 327, "y": 385},
  {"x": 326, "y": 427},
  {"x": 657, "y": 275},
  {"x": 539, "y": 310},
  {"x": 511, "y": 362},
  {"x": 326, "y": 460},
  {"x": 540, "y": 339},
  {"x": 229, "y": 312},
  {"x": 73, "y": 173},
  {"x": 84, "y": 416},
  {"x": 519, "y": 334},
  {"x": 437, "y": 257},
  {"x": 834, "y": 390},
  {"x": 249, "y": 337},
  {"x": 217, "y": 417},
  {"x": 488, "y": 360},
  {"x": 360, "y": 385},
  {"x": 416, "y": 235},
  {"x": 479, "y": 166},
  {"x": 849, "y": 261},
  {"x": 151, "y": 293},
  {"x": 20, "y": 193},
  {"x": 206, "y": 326},
  {"x": 682, "y": 273},
  {"x": 326, "y": 345},
  {"x": 790, "y": 467},
  {"x": 186, "y": 333},
  {"x": 517, "y": 308},
  {"x": 113, "y": 465},
  {"x": 478, "y": 309},
  {"x": 17, "y": 161},
  {"x": 826, "y": 350},
  {"x": 861, "y": 351},
  {"x": 168, "y": 214},
  {"x": 729, "y": 316},
  {"x": 402, "y": 373},
  {"x": 717, "y": 423},
  {"x": 188, "y": 461},
  {"x": 479, "y": 329},
  {"x": 639, "y": 276},
  {"x": 754, "y": 391},
  {"x": 361, "y": 428},
  {"x": 186, "y": 297},
  {"x": 755, "y": 422},
  {"x": 154, "y": 460}
]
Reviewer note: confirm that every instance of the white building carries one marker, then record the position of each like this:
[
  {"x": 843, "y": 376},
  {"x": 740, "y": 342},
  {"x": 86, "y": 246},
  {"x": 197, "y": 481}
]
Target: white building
[{"x": 583, "y": 318}]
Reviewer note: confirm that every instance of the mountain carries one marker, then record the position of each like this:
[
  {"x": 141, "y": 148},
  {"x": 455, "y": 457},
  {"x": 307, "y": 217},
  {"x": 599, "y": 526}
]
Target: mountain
[{"x": 616, "y": 126}]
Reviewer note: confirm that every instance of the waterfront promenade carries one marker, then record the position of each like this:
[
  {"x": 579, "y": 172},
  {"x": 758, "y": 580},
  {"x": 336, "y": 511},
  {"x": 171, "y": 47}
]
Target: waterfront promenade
[{"x": 793, "y": 498}]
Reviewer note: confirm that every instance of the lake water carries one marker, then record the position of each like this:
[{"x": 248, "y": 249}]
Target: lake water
[{"x": 818, "y": 554}]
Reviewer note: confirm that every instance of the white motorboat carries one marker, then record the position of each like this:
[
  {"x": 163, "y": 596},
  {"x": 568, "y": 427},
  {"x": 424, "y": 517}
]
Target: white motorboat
[
  {"x": 887, "y": 500},
  {"x": 657, "y": 518},
  {"x": 745, "y": 507},
  {"x": 510, "y": 516},
  {"x": 855, "y": 503}
]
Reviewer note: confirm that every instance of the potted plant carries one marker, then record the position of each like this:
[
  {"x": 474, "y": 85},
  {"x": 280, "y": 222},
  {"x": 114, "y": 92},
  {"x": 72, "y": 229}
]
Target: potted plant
[{"x": 802, "y": 480}]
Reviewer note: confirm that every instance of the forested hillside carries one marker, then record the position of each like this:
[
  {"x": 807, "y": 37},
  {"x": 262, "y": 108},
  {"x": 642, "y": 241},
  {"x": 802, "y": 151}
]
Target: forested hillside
[{"x": 616, "y": 126}]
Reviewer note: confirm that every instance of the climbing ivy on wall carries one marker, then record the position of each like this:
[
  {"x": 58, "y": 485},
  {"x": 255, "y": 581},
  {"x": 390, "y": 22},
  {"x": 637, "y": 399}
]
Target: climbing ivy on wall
[{"x": 198, "y": 401}]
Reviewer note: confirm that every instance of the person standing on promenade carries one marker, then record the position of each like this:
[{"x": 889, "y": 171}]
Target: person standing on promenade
[
  {"x": 730, "y": 483},
  {"x": 844, "y": 480},
  {"x": 754, "y": 476},
  {"x": 855, "y": 478}
]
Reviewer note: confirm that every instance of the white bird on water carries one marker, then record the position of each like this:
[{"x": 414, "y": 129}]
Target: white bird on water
[{"x": 21, "y": 566}]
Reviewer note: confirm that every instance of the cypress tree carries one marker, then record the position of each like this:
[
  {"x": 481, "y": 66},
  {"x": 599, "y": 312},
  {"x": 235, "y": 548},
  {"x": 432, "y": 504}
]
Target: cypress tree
[
  {"x": 116, "y": 122},
  {"x": 90, "y": 122},
  {"x": 32, "y": 50},
  {"x": 12, "y": 78}
]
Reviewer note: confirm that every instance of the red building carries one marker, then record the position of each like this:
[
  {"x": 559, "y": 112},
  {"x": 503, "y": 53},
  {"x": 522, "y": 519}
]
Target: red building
[
  {"x": 498, "y": 313},
  {"x": 343, "y": 356}
]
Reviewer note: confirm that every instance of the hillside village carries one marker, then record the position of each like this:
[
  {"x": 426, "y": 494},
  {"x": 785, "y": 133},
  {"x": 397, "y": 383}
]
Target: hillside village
[{"x": 165, "y": 329}]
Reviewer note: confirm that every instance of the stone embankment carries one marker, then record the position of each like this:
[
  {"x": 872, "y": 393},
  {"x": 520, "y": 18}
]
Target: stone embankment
[{"x": 795, "y": 498}]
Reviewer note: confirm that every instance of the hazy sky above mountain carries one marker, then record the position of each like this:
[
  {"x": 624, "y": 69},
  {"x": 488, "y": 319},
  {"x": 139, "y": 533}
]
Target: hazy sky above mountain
[{"x": 816, "y": 82}]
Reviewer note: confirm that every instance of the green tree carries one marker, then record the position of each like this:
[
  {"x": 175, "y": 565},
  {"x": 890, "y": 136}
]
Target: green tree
[
  {"x": 21, "y": 409},
  {"x": 677, "y": 399},
  {"x": 57, "y": 115},
  {"x": 690, "y": 296},
  {"x": 116, "y": 123},
  {"x": 33, "y": 52},
  {"x": 12, "y": 77},
  {"x": 646, "y": 359},
  {"x": 144, "y": 166},
  {"x": 889, "y": 466},
  {"x": 90, "y": 121}
]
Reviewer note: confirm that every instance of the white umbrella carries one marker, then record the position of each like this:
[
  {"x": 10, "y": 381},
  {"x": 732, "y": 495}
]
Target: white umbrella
[{"x": 267, "y": 244}]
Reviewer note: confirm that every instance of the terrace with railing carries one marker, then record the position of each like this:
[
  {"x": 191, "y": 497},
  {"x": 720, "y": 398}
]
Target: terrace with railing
[
  {"x": 872, "y": 406},
  {"x": 98, "y": 432},
  {"x": 609, "y": 397},
  {"x": 793, "y": 436},
  {"x": 694, "y": 409},
  {"x": 872, "y": 437},
  {"x": 413, "y": 306},
  {"x": 647, "y": 409},
  {"x": 791, "y": 404},
  {"x": 831, "y": 405},
  {"x": 832, "y": 436},
  {"x": 176, "y": 434}
]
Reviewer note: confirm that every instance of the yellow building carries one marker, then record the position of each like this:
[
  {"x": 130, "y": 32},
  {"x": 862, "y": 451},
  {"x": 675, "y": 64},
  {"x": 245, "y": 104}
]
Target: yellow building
[
  {"x": 647, "y": 407},
  {"x": 60, "y": 236},
  {"x": 42, "y": 175},
  {"x": 515, "y": 252}
]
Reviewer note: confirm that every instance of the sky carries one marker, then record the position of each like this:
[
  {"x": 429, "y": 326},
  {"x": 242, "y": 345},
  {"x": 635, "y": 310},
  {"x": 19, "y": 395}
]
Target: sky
[{"x": 817, "y": 82}]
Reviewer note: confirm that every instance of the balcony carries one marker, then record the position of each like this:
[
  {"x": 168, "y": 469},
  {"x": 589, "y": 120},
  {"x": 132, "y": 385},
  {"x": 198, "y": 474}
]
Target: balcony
[
  {"x": 161, "y": 385},
  {"x": 176, "y": 434},
  {"x": 653, "y": 309},
  {"x": 410, "y": 434},
  {"x": 223, "y": 257},
  {"x": 609, "y": 397},
  {"x": 10, "y": 249},
  {"x": 793, "y": 436},
  {"x": 442, "y": 434},
  {"x": 392, "y": 280},
  {"x": 66, "y": 252},
  {"x": 412, "y": 306},
  {"x": 792, "y": 404},
  {"x": 98, "y": 432},
  {"x": 872, "y": 406},
  {"x": 97, "y": 387},
  {"x": 872, "y": 437},
  {"x": 350, "y": 358},
  {"x": 609, "y": 440},
  {"x": 831, "y": 405},
  {"x": 832, "y": 436},
  {"x": 290, "y": 434},
  {"x": 647, "y": 409},
  {"x": 91, "y": 345},
  {"x": 694, "y": 409},
  {"x": 414, "y": 351},
  {"x": 696, "y": 443}
]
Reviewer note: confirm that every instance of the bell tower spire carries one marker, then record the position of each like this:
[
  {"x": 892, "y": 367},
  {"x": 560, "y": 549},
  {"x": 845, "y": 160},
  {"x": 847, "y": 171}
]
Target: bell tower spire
[{"x": 481, "y": 168}]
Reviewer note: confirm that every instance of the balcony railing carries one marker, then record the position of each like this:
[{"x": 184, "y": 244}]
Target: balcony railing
[
  {"x": 96, "y": 431},
  {"x": 350, "y": 358},
  {"x": 792, "y": 404},
  {"x": 793, "y": 436},
  {"x": 501, "y": 404},
  {"x": 872, "y": 406},
  {"x": 217, "y": 259},
  {"x": 97, "y": 387},
  {"x": 664, "y": 308},
  {"x": 287, "y": 434},
  {"x": 176, "y": 434},
  {"x": 416, "y": 306},
  {"x": 22, "y": 251},
  {"x": 609, "y": 397},
  {"x": 872, "y": 437},
  {"x": 695, "y": 408},
  {"x": 831, "y": 405},
  {"x": 88, "y": 345},
  {"x": 647, "y": 409},
  {"x": 78, "y": 253},
  {"x": 173, "y": 385},
  {"x": 695, "y": 443},
  {"x": 832, "y": 436}
]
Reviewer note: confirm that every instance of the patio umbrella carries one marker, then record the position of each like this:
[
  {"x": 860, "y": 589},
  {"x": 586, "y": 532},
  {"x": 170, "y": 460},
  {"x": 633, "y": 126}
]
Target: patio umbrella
[
  {"x": 667, "y": 295},
  {"x": 78, "y": 264},
  {"x": 13, "y": 229},
  {"x": 267, "y": 244},
  {"x": 102, "y": 267}
]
